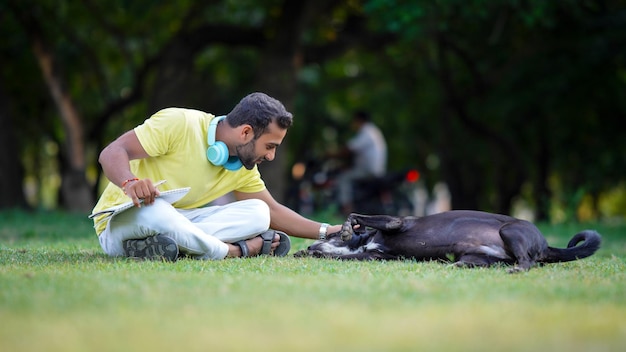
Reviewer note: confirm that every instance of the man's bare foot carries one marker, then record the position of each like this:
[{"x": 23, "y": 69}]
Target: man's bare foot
[{"x": 254, "y": 246}]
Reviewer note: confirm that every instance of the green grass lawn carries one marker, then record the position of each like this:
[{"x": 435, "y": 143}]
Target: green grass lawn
[{"x": 58, "y": 292}]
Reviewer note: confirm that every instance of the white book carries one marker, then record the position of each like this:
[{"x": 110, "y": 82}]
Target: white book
[{"x": 170, "y": 196}]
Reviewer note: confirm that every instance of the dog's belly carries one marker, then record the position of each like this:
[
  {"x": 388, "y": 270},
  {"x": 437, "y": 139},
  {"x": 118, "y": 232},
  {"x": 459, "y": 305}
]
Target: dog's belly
[
  {"x": 435, "y": 248},
  {"x": 438, "y": 237}
]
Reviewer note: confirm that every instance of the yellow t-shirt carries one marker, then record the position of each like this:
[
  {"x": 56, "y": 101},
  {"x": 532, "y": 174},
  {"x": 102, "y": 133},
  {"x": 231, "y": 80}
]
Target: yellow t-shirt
[{"x": 176, "y": 140}]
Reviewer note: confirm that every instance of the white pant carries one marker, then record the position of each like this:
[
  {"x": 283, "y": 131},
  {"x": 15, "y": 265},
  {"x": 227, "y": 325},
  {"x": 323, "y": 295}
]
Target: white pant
[{"x": 201, "y": 233}]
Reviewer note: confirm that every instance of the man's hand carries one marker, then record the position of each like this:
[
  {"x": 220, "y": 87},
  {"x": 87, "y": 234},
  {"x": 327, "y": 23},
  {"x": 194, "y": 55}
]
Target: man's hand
[{"x": 142, "y": 190}]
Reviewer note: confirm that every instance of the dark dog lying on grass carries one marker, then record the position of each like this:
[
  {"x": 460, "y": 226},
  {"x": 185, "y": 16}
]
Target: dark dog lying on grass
[{"x": 467, "y": 238}]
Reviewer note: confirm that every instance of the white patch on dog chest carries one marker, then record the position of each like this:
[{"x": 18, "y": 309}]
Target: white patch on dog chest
[
  {"x": 330, "y": 249},
  {"x": 372, "y": 246}
]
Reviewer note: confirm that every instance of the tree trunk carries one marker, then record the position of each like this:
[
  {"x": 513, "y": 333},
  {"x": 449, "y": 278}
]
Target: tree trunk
[
  {"x": 281, "y": 61},
  {"x": 11, "y": 172},
  {"x": 541, "y": 190},
  {"x": 278, "y": 80},
  {"x": 75, "y": 191}
]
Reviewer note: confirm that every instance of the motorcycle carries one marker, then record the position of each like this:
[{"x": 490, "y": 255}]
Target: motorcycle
[{"x": 314, "y": 189}]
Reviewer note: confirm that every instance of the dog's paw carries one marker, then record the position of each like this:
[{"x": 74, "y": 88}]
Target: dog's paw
[
  {"x": 346, "y": 236},
  {"x": 346, "y": 231},
  {"x": 301, "y": 253},
  {"x": 308, "y": 253},
  {"x": 318, "y": 254}
]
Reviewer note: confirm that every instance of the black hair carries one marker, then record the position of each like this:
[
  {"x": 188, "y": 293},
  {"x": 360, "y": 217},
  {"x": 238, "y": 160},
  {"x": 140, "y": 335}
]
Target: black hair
[{"x": 259, "y": 110}]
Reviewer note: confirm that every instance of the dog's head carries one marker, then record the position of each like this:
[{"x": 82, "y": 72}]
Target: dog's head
[{"x": 333, "y": 245}]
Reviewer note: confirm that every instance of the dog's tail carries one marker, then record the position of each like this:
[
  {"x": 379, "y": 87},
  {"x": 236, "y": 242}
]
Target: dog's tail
[{"x": 591, "y": 243}]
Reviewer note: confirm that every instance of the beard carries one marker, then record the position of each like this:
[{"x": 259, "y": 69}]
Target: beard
[{"x": 245, "y": 153}]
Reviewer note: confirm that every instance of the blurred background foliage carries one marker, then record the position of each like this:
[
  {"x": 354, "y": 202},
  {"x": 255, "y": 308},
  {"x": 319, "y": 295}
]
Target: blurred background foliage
[{"x": 509, "y": 102}]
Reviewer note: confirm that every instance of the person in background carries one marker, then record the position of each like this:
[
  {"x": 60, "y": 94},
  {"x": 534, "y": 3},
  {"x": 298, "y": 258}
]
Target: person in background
[
  {"x": 368, "y": 150},
  {"x": 213, "y": 156}
]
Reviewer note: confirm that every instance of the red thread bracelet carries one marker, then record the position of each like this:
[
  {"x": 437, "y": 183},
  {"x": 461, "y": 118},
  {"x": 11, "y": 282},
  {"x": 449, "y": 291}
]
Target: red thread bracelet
[{"x": 126, "y": 182}]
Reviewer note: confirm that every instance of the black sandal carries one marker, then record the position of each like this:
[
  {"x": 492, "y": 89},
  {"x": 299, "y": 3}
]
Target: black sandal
[{"x": 268, "y": 237}]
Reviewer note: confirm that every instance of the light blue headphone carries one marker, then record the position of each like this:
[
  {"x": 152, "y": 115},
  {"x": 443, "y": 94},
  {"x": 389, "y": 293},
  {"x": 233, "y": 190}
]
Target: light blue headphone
[{"x": 217, "y": 153}]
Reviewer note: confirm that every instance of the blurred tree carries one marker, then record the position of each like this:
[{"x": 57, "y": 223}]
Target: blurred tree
[
  {"x": 103, "y": 69},
  {"x": 12, "y": 169},
  {"x": 75, "y": 191},
  {"x": 500, "y": 99},
  {"x": 525, "y": 90}
]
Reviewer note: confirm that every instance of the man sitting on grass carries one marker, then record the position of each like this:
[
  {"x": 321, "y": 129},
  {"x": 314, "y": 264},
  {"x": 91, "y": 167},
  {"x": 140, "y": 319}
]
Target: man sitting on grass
[{"x": 174, "y": 145}]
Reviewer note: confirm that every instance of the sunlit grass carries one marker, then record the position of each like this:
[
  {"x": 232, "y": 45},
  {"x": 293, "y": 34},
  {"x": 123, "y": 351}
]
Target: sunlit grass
[{"x": 60, "y": 293}]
